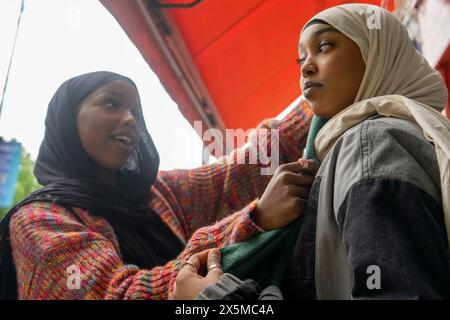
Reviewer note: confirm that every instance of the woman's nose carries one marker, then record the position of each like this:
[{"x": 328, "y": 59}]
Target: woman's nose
[
  {"x": 308, "y": 69},
  {"x": 128, "y": 119}
]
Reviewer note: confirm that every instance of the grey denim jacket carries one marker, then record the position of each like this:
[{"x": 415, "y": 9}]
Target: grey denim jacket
[{"x": 373, "y": 227}]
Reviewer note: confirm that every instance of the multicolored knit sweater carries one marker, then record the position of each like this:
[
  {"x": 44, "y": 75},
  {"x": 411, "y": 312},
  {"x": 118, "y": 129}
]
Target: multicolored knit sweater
[{"x": 47, "y": 241}]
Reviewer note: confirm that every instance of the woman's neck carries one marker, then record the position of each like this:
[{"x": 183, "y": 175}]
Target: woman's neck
[{"x": 106, "y": 176}]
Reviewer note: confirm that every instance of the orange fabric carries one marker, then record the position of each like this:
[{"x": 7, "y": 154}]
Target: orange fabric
[{"x": 244, "y": 51}]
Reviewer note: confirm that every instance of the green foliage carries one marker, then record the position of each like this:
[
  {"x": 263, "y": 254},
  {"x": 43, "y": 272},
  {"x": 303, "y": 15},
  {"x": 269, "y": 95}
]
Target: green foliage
[{"x": 26, "y": 182}]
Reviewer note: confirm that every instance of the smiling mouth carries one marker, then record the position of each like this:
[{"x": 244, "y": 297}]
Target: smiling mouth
[{"x": 124, "y": 140}]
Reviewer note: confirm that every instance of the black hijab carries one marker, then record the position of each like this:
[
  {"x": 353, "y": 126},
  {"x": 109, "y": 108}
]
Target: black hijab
[{"x": 65, "y": 170}]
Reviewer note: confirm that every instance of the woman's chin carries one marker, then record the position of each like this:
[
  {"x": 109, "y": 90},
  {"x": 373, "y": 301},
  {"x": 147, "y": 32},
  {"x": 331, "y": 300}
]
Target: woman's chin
[
  {"x": 115, "y": 164},
  {"x": 319, "y": 111}
]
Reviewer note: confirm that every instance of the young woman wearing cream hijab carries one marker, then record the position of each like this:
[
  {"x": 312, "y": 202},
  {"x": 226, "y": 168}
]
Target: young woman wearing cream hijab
[{"x": 377, "y": 220}]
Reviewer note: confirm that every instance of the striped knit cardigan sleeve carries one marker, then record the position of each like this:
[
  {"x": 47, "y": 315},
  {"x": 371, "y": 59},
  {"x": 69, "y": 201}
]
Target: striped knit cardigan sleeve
[
  {"x": 58, "y": 256},
  {"x": 214, "y": 191}
]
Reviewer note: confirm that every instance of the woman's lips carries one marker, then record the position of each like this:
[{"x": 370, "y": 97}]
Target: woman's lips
[
  {"x": 309, "y": 92},
  {"x": 124, "y": 146}
]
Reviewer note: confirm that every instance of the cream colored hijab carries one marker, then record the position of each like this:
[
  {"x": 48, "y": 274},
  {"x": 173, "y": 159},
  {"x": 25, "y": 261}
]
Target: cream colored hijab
[{"x": 398, "y": 82}]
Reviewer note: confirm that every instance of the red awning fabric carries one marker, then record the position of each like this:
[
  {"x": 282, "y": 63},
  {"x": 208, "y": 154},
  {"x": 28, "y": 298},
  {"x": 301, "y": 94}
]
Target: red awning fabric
[{"x": 228, "y": 63}]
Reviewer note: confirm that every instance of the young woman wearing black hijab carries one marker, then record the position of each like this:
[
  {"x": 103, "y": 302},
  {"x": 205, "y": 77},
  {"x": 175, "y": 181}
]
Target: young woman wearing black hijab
[{"x": 108, "y": 225}]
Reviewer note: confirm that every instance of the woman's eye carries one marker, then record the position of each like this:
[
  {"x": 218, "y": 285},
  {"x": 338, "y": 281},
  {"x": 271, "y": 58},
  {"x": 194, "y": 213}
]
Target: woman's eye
[
  {"x": 324, "y": 45},
  {"x": 112, "y": 104}
]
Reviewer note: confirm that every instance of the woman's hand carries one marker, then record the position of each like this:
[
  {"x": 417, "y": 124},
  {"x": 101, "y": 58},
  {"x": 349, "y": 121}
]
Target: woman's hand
[
  {"x": 190, "y": 282},
  {"x": 286, "y": 194}
]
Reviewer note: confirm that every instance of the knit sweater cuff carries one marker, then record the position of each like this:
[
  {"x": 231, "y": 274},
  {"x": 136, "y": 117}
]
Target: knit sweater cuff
[{"x": 246, "y": 226}]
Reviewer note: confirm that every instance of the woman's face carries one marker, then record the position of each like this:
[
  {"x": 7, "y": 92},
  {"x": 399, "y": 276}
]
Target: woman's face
[
  {"x": 107, "y": 125},
  {"x": 332, "y": 69}
]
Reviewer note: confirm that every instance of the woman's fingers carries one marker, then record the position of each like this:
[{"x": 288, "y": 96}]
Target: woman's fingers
[
  {"x": 298, "y": 191},
  {"x": 301, "y": 166},
  {"x": 309, "y": 166},
  {"x": 195, "y": 262},
  {"x": 208, "y": 260},
  {"x": 189, "y": 282},
  {"x": 312, "y": 166},
  {"x": 298, "y": 179},
  {"x": 214, "y": 266},
  {"x": 295, "y": 167},
  {"x": 213, "y": 258}
]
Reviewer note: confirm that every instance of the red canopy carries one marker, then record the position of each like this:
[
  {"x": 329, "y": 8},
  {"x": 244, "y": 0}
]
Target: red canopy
[{"x": 228, "y": 63}]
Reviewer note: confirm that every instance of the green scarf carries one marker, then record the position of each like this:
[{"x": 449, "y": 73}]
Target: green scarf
[{"x": 263, "y": 258}]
